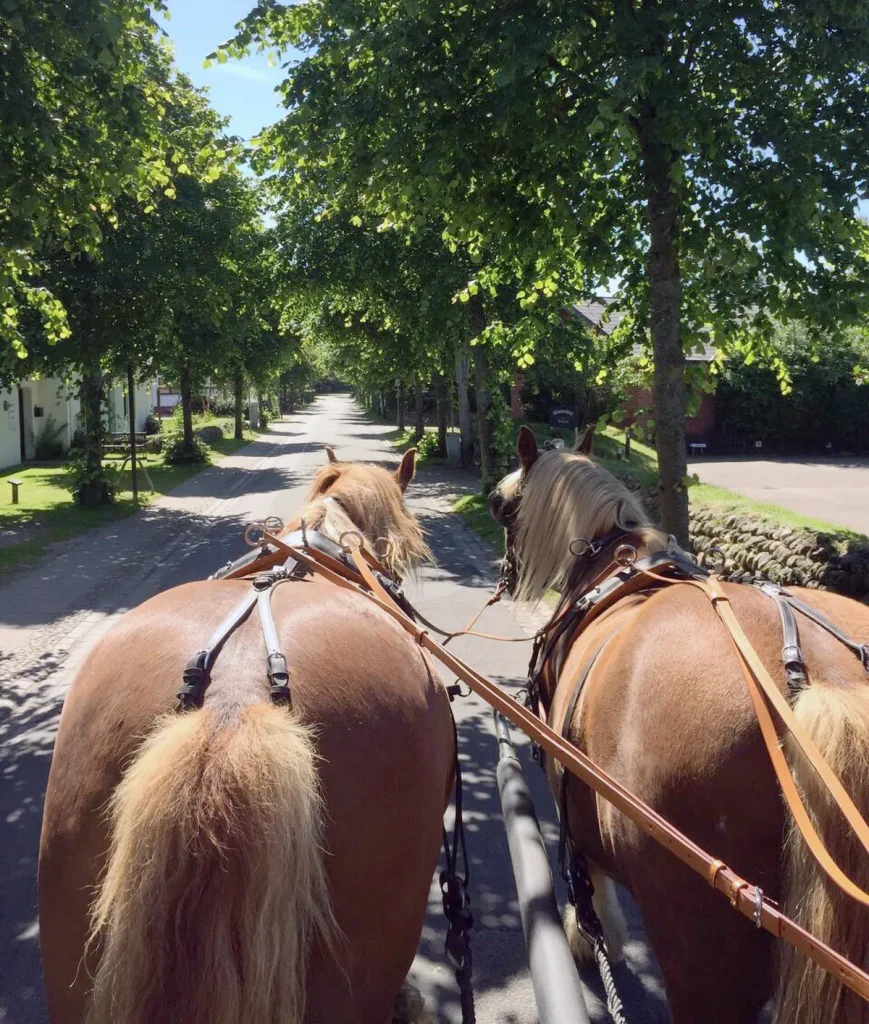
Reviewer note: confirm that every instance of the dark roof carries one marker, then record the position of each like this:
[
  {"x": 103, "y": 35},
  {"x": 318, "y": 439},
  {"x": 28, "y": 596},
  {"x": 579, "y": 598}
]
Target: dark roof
[{"x": 595, "y": 314}]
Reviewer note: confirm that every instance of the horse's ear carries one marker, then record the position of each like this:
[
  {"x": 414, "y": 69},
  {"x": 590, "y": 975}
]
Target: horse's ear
[
  {"x": 330, "y": 452},
  {"x": 405, "y": 472},
  {"x": 584, "y": 444},
  {"x": 526, "y": 447}
]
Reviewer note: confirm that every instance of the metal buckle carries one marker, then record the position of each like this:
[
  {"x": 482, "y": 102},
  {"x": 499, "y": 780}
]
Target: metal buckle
[
  {"x": 625, "y": 555},
  {"x": 346, "y": 536},
  {"x": 254, "y": 533},
  {"x": 388, "y": 548},
  {"x": 720, "y": 566},
  {"x": 579, "y": 552}
]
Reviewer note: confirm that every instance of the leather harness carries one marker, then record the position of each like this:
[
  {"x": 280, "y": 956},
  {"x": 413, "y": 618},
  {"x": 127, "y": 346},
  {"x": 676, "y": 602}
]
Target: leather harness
[{"x": 630, "y": 577}]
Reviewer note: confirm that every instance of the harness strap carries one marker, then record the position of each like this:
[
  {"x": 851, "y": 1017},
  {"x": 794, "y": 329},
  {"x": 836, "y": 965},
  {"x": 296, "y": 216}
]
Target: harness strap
[
  {"x": 861, "y": 650},
  {"x": 760, "y": 686},
  {"x": 791, "y": 654},
  {"x": 197, "y": 674},
  {"x": 276, "y": 664},
  {"x": 564, "y": 840}
]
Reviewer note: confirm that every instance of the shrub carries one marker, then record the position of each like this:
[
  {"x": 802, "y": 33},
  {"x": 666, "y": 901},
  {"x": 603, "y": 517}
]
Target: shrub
[
  {"x": 49, "y": 445},
  {"x": 211, "y": 434},
  {"x": 152, "y": 424},
  {"x": 91, "y": 486},
  {"x": 178, "y": 452}
]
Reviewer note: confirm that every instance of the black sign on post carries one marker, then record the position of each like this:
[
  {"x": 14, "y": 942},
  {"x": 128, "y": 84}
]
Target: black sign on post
[{"x": 562, "y": 417}]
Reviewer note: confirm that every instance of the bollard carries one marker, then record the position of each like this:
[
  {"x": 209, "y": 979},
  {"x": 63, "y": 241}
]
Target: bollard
[
  {"x": 557, "y": 988},
  {"x": 15, "y": 485}
]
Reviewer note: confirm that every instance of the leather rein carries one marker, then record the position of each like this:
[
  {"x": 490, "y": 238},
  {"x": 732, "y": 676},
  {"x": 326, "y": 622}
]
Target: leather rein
[{"x": 349, "y": 567}]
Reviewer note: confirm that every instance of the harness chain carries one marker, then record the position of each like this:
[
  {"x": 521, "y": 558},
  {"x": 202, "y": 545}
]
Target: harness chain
[{"x": 457, "y": 901}]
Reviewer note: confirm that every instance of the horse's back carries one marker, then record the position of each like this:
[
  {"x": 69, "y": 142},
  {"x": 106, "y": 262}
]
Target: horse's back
[
  {"x": 667, "y": 712},
  {"x": 384, "y": 742}
]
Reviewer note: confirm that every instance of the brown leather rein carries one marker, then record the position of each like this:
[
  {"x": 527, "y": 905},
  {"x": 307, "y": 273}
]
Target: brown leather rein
[{"x": 742, "y": 895}]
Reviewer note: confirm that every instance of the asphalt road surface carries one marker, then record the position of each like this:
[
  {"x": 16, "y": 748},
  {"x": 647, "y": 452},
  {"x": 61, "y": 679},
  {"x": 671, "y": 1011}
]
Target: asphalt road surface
[
  {"x": 836, "y": 491},
  {"x": 50, "y": 616}
]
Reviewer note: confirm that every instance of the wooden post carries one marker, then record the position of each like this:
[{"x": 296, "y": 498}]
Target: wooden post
[{"x": 131, "y": 406}]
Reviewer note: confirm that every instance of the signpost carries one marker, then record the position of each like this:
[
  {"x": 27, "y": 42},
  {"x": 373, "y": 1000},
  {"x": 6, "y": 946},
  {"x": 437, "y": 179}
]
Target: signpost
[
  {"x": 562, "y": 417},
  {"x": 131, "y": 391}
]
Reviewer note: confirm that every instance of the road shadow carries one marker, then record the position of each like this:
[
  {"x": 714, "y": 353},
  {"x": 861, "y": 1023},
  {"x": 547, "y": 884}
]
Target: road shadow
[
  {"x": 105, "y": 561},
  {"x": 499, "y": 954}
]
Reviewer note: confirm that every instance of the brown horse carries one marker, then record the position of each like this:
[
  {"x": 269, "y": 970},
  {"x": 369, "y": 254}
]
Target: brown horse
[
  {"x": 666, "y": 711},
  {"x": 257, "y": 864}
]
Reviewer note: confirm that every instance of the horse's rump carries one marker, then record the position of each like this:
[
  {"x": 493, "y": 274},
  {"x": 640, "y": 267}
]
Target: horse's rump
[{"x": 242, "y": 780}]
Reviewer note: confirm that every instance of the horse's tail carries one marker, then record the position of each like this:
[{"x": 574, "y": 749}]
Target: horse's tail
[
  {"x": 215, "y": 884},
  {"x": 837, "y": 719}
]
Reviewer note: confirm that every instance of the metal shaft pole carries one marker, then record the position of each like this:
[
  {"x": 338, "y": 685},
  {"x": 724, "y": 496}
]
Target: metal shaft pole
[
  {"x": 131, "y": 392},
  {"x": 557, "y": 988}
]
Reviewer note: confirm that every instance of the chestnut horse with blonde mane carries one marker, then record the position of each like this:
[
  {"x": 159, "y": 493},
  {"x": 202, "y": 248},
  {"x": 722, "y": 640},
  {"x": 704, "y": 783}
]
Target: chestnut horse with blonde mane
[
  {"x": 665, "y": 710},
  {"x": 258, "y": 864}
]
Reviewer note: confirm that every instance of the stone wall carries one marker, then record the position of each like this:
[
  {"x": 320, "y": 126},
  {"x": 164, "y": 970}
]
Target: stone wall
[
  {"x": 762, "y": 547},
  {"x": 804, "y": 558}
]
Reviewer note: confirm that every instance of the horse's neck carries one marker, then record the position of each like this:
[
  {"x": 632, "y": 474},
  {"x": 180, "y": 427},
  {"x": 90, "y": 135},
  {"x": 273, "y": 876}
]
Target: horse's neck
[
  {"x": 597, "y": 570},
  {"x": 326, "y": 517}
]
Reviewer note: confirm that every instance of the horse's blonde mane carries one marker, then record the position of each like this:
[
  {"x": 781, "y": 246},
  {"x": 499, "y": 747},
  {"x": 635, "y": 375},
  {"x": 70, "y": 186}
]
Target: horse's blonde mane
[
  {"x": 367, "y": 499},
  {"x": 567, "y": 496}
]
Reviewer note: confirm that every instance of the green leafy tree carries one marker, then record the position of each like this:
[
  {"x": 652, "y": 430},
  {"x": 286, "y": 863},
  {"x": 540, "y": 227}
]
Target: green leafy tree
[
  {"x": 83, "y": 90},
  {"x": 707, "y": 155}
]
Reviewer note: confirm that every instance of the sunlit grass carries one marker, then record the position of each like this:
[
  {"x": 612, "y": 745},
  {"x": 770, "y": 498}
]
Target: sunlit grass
[{"x": 47, "y": 512}]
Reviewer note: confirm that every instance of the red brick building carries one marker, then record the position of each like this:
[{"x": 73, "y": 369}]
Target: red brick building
[{"x": 698, "y": 428}]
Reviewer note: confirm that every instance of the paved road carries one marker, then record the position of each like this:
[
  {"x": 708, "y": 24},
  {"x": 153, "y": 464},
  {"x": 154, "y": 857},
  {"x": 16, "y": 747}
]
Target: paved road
[
  {"x": 52, "y": 614},
  {"x": 834, "y": 491}
]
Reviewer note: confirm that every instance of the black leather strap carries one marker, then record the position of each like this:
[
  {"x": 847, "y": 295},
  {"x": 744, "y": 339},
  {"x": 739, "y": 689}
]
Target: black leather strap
[
  {"x": 791, "y": 655},
  {"x": 861, "y": 650},
  {"x": 197, "y": 674}
]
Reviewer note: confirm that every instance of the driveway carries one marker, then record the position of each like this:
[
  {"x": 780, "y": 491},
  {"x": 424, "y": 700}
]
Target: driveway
[
  {"x": 835, "y": 491},
  {"x": 52, "y": 614}
]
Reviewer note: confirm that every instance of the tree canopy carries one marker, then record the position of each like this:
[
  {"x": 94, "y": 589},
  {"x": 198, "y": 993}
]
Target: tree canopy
[
  {"x": 706, "y": 156},
  {"x": 84, "y": 89}
]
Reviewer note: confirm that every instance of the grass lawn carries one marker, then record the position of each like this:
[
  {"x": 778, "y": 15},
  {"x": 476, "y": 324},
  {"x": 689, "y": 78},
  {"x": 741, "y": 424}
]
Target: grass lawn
[
  {"x": 402, "y": 440},
  {"x": 47, "y": 512},
  {"x": 472, "y": 508}
]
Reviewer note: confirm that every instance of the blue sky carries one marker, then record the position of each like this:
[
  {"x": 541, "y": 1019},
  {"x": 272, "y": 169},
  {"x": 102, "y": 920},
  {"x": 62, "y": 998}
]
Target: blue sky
[{"x": 240, "y": 90}]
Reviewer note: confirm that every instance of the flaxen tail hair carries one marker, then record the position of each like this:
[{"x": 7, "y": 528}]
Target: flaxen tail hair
[
  {"x": 837, "y": 718},
  {"x": 215, "y": 886}
]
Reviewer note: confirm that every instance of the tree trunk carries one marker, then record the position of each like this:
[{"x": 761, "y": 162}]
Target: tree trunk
[
  {"x": 485, "y": 432},
  {"x": 400, "y": 410},
  {"x": 186, "y": 399},
  {"x": 443, "y": 404},
  {"x": 484, "y": 417},
  {"x": 665, "y": 282},
  {"x": 418, "y": 417},
  {"x": 466, "y": 431},
  {"x": 238, "y": 396},
  {"x": 92, "y": 491}
]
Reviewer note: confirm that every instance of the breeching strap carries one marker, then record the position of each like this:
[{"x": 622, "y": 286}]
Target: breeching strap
[{"x": 738, "y": 891}]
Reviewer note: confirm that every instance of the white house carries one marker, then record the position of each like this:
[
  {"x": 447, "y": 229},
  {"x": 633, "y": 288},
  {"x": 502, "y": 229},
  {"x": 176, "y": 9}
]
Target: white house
[{"x": 31, "y": 407}]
